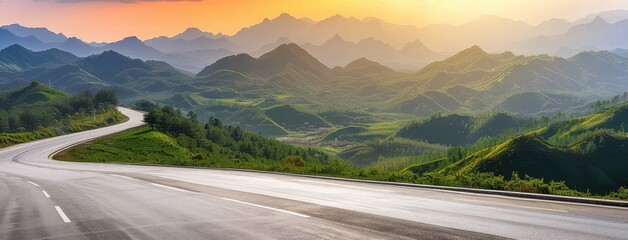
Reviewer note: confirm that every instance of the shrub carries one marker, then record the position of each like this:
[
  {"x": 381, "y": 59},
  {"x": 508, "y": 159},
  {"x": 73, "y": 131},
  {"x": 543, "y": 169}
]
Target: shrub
[
  {"x": 294, "y": 161},
  {"x": 198, "y": 156}
]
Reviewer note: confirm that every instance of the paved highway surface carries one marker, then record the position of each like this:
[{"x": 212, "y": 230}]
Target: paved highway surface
[{"x": 47, "y": 199}]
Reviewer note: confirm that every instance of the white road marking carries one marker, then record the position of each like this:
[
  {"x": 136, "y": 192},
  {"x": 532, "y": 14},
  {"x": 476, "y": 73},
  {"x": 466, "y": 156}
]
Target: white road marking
[
  {"x": 34, "y": 184},
  {"x": 46, "y": 194},
  {"x": 16, "y": 178},
  {"x": 265, "y": 207},
  {"x": 169, "y": 187},
  {"x": 345, "y": 185},
  {"x": 510, "y": 205},
  {"x": 62, "y": 214},
  {"x": 130, "y": 178}
]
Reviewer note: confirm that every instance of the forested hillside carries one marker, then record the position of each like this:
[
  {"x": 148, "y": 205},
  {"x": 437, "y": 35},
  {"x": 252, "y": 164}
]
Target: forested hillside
[{"x": 37, "y": 111}]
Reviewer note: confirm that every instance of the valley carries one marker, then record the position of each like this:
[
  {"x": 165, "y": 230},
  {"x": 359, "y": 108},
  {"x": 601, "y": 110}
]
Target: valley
[{"x": 376, "y": 106}]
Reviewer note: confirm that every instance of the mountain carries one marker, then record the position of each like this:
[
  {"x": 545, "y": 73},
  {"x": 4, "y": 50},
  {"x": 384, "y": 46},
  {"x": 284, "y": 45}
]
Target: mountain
[
  {"x": 134, "y": 47},
  {"x": 70, "y": 73},
  {"x": 621, "y": 52},
  {"x": 595, "y": 35},
  {"x": 612, "y": 16},
  {"x": 553, "y": 26},
  {"x": 271, "y": 63},
  {"x": 76, "y": 46},
  {"x": 7, "y": 38},
  {"x": 494, "y": 31},
  {"x": 302, "y": 31},
  {"x": 269, "y": 47},
  {"x": 269, "y": 31},
  {"x": 459, "y": 130},
  {"x": 42, "y": 34},
  {"x": 116, "y": 68},
  {"x": 171, "y": 45},
  {"x": 23, "y": 59},
  {"x": 366, "y": 67},
  {"x": 584, "y": 152},
  {"x": 339, "y": 52},
  {"x": 32, "y": 93},
  {"x": 194, "y": 33},
  {"x": 520, "y": 84}
]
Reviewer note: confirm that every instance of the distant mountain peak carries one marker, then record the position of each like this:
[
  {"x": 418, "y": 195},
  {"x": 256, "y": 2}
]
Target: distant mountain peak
[
  {"x": 365, "y": 65},
  {"x": 284, "y": 16},
  {"x": 284, "y": 40},
  {"x": 192, "y": 33},
  {"x": 73, "y": 40},
  {"x": 131, "y": 39},
  {"x": 16, "y": 47},
  {"x": 336, "y": 38},
  {"x": 192, "y": 30},
  {"x": 360, "y": 61},
  {"x": 475, "y": 49},
  {"x": 285, "y": 48},
  {"x": 599, "y": 21},
  {"x": 371, "y": 41}
]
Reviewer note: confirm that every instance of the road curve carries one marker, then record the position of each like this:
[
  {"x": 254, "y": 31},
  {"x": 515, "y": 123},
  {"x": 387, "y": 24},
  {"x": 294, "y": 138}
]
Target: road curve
[{"x": 47, "y": 199}]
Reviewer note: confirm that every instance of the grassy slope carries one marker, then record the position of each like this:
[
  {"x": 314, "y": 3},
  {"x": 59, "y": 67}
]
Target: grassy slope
[
  {"x": 600, "y": 170},
  {"x": 35, "y": 92},
  {"x": 70, "y": 125},
  {"x": 140, "y": 145},
  {"x": 597, "y": 162}
]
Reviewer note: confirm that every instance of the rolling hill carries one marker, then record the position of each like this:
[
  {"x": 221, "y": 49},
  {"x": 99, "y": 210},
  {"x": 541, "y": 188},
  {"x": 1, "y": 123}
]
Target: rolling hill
[
  {"x": 271, "y": 63},
  {"x": 34, "y": 92},
  {"x": 577, "y": 151},
  {"x": 458, "y": 130}
]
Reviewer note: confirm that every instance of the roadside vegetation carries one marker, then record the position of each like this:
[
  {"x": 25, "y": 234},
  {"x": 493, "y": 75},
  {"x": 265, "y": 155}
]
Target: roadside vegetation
[
  {"x": 174, "y": 138},
  {"x": 37, "y": 111}
]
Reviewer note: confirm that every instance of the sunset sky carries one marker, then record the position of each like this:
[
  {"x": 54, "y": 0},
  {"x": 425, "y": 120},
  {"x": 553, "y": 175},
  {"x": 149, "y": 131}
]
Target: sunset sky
[{"x": 111, "y": 20}]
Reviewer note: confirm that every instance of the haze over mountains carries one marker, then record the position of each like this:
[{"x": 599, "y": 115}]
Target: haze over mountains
[
  {"x": 338, "y": 40},
  {"x": 337, "y": 64},
  {"x": 469, "y": 81}
]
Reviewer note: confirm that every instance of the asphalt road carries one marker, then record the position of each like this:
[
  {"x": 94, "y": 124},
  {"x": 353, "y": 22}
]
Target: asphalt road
[{"x": 47, "y": 199}]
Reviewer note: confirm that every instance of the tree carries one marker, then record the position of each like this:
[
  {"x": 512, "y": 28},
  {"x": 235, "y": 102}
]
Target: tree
[
  {"x": 82, "y": 101},
  {"x": 192, "y": 116},
  {"x": 105, "y": 98},
  {"x": 145, "y": 105}
]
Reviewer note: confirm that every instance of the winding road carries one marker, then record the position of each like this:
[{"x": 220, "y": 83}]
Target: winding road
[{"x": 47, "y": 199}]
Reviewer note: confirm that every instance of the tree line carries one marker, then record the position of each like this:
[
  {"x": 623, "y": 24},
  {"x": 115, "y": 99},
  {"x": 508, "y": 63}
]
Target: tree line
[
  {"x": 19, "y": 116},
  {"x": 221, "y": 141}
]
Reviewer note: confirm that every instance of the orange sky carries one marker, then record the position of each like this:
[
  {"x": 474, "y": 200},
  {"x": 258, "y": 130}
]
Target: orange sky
[{"x": 111, "y": 20}]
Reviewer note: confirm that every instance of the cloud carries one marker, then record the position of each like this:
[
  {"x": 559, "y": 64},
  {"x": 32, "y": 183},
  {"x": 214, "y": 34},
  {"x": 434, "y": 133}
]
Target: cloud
[{"x": 114, "y": 1}]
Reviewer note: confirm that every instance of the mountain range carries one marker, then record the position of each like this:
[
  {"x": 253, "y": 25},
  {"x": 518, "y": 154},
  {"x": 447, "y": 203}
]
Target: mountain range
[
  {"x": 469, "y": 81},
  {"x": 337, "y": 40}
]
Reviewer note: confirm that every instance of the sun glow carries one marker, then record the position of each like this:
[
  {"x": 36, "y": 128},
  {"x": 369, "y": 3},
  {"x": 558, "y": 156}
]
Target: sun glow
[{"x": 108, "y": 21}]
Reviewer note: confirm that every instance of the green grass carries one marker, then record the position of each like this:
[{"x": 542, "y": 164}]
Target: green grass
[
  {"x": 72, "y": 124},
  {"x": 35, "y": 92},
  {"x": 140, "y": 145},
  {"x": 597, "y": 164}
]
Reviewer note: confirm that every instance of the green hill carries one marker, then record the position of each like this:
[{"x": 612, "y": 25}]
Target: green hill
[
  {"x": 139, "y": 145},
  {"x": 459, "y": 130},
  {"x": 615, "y": 118},
  {"x": 35, "y": 92},
  {"x": 270, "y": 63},
  {"x": 171, "y": 138},
  {"x": 23, "y": 59},
  {"x": 597, "y": 164},
  {"x": 587, "y": 153},
  {"x": 293, "y": 119}
]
